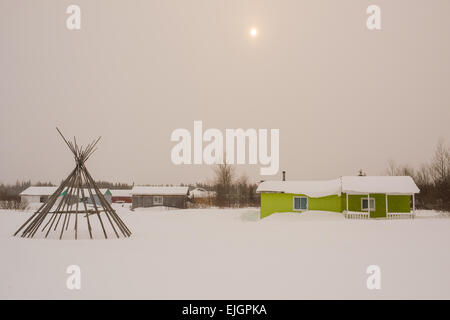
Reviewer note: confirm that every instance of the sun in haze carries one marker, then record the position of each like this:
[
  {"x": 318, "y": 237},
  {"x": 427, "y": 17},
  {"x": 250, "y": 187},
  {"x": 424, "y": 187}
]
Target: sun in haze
[{"x": 253, "y": 32}]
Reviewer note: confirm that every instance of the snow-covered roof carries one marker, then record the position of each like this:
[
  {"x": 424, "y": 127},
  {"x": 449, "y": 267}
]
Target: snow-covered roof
[
  {"x": 86, "y": 191},
  {"x": 120, "y": 192},
  {"x": 379, "y": 184},
  {"x": 174, "y": 191},
  {"x": 47, "y": 191},
  {"x": 201, "y": 193},
  {"x": 347, "y": 184},
  {"x": 38, "y": 191},
  {"x": 314, "y": 189}
]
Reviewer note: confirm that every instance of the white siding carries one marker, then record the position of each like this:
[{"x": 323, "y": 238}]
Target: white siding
[{"x": 30, "y": 199}]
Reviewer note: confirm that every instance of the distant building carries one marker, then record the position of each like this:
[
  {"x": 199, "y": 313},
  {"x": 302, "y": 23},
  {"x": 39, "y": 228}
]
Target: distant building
[
  {"x": 121, "y": 195},
  {"x": 200, "y": 193},
  {"x": 41, "y": 195},
  {"x": 37, "y": 194},
  {"x": 143, "y": 197}
]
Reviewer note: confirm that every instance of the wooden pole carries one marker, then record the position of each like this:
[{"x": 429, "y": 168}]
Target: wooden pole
[
  {"x": 95, "y": 204},
  {"x": 45, "y": 213},
  {"x": 49, "y": 204},
  {"x": 76, "y": 214},
  {"x": 346, "y": 200},
  {"x": 103, "y": 202},
  {"x": 85, "y": 207},
  {"x": 72, "y": 186},
  {"x": 387, "y": 206}
]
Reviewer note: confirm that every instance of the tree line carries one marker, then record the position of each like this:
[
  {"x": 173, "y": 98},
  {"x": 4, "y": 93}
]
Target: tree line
[
  {"x": 432, "y": 178},
  {"x": 233, "y": 190},
  {"x": 230, "y": 190}
]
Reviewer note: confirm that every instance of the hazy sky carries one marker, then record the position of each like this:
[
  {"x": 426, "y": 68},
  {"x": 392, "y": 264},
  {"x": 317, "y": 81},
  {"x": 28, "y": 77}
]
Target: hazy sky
[{"x": 343, "y": 97}]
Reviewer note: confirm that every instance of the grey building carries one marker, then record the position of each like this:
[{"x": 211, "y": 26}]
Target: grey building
[{"x": 144, "y": 197}]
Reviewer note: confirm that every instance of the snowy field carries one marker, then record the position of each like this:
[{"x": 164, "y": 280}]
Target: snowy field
[{"x": 230, "y": 254}]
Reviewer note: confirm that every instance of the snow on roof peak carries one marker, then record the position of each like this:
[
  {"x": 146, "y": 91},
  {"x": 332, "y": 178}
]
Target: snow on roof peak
[
  {"x": 346, "y": 184},
  {"x": 379, "y": 184},
  {"x": 38, "y": 191},
  {"x": 120, "y": 192},
  {"x": 314, "y": 189},
  {"x": 48, "y": 191}
]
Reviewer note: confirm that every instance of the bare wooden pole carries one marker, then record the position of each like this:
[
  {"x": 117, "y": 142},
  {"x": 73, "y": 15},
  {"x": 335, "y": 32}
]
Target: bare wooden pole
[
  {"x": 66, "y": 201},
  {"x": 76, "y": 214},
  {"x": 38, "y": 221},
  {"x": 123, "y": 228},
  {"x": 95, "y": 204},
  {"x": 71, "y": 189},
  {"x": 57, "y": 212},
  {"x": 50, "y": 202},
  {"x": 68, "y": 209},
  {"x": 103, "y": 201},
  {"x": 85, "y": 206},
  {"x": 62, "y": 136}
]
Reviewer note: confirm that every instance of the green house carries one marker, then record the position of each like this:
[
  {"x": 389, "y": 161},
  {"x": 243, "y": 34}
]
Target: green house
[{"x": 355, "y": 197}]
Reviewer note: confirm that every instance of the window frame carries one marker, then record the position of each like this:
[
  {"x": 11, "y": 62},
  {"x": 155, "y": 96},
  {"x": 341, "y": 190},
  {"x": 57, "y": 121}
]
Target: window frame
[
  {"x": 368, "y": 203},
  {"x": 158, "y": 203},
  {"x": 300, "y": 197}
]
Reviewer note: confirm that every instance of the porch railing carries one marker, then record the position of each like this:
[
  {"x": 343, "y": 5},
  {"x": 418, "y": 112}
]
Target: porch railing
[
  {"x": 400, "y": 215},
  {"x": 356, "y": 215},
  {"x": 389, "y": 215}
]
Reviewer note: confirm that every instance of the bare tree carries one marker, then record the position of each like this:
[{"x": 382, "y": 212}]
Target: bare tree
[
  {"x": 440, "y": 164},
  {"x": 243, "y": 190},
  {"x": 405, "y": 170},
  {"x": 223, "y": 181},
  {"x": 422, "y": 176},
  {"x": 392, "y": 168}
]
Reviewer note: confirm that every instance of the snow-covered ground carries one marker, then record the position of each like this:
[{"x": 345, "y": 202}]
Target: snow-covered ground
[{"x": 230, "y": 254}]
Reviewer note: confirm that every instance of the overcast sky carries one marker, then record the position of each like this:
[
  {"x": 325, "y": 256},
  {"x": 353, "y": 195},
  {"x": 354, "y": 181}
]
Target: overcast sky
[{"x": 343, "y": 97}]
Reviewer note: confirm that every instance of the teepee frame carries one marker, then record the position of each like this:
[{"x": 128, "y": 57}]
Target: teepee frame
[{"x": 69, "y": 193}]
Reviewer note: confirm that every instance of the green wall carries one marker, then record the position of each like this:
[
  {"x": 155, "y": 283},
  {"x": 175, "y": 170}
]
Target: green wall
[
  {"x": 276, "y": 202},
  {"x": 283, "y": 202},
  {"x": 399, "y": 203},
  {"x": 354, "y": 204},
  {"x": 396, "y": 203},
  {"x": 329, "y": 203}
]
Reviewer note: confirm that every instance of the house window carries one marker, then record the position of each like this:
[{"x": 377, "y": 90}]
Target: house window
[
  {"x": 365, "y": 202},
  {"x": 157, "y": 200},
  {"x": 300, "y": 203}
]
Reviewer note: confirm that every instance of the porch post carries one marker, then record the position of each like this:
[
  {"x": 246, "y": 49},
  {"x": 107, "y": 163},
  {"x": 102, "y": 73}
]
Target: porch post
[
  {"x": 368, "y": 204},
  {"x": 346, "y": 200},
  {"x": 414, "y": 204},
  {"x": 387, "y": 208}
]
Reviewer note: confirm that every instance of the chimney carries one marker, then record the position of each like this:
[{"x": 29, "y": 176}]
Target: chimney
[{"x": 284, "y": 175}]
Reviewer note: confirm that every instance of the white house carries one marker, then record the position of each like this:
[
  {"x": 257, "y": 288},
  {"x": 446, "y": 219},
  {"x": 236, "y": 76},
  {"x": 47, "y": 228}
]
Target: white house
[
  {"x": 201, "y": 193},
  {"x": 37, "y": 194}
]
